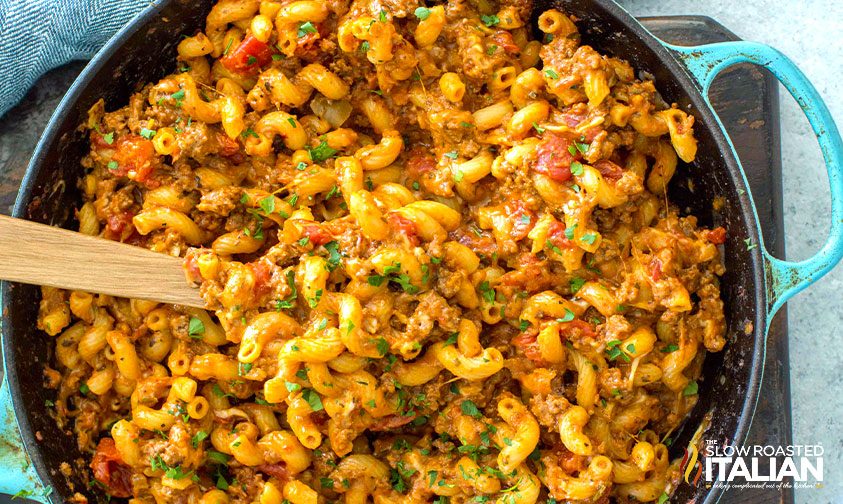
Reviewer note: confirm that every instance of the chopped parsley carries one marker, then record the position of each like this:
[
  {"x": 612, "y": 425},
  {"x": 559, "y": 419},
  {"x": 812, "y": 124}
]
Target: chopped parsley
[
  {"x": 198, "y": 438},
  {"x": 691, "y": 389},
  {"x": 398, "y": 476},
  {"x": 589, "y": 238},
  {"x": 576, "y": 284},
  {"x": 147, "y": 133},
  {"x": 267, "y": 204},
  {"x": 306, "y": 28},
  {"x": 422, "y": 13},
  {"x": 551, "y": 73},
  {"x": 217, "y": 457},
  {"x": 195, "y": 328},
  {"x": 576, "y": 168},
  {"x": 553, "y": 248},
  {"x": 613, "y": 351},
  {"x": 670, "y": 348},
  {"x": 112, "y": 165},
  {"x": 382, "y": 346},
  {"x": 334, "y": 256},
  {"x": 321, "y": 152},
  {"x": 289, "y": 301},
  {"x": 312, "y": 399},
  {"x": 487, "y": 292},
  {"x": 470, "y": 409},
  {"x": 314, "y": 301},
  {"x": 490, "y": 21},
  {"x": 569, "y": 316},
  {"x": 292, "y": 387}
]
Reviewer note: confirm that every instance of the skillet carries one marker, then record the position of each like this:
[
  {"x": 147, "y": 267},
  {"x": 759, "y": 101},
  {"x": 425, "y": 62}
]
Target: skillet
[{"x": 755, "y": 286}]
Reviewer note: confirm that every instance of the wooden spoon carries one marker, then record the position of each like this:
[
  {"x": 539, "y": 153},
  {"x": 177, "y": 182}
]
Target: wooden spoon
[{"x": 45, "y": 255}]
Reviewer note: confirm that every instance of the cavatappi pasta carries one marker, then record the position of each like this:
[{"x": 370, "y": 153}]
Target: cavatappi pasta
[{"x": 439, "y": 255}]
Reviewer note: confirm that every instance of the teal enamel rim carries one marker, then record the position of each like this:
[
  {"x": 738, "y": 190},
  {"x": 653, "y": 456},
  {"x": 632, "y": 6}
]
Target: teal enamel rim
[
  {"x": 784, "y": 279},
  {"x": 18, "y": 476}
]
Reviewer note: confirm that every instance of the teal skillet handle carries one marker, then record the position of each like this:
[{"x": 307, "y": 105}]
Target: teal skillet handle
[
  {"x": 784, "y": 278},
  {"x": 17, "y": 475}
]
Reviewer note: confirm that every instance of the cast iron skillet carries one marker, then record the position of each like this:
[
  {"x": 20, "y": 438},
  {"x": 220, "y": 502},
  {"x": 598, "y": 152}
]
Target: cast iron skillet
[{"x": 754, "y": 287}]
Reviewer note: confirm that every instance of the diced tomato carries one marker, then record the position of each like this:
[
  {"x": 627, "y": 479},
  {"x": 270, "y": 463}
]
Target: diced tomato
[
  {"x": 278, "y": 470},
  {"x": 110, "y": 470},
  {"x": 569, "y": 461},
  {"x": 527, "y": 342},
  {"x": 134, "y": 156},
  {"x": 262, "y": 274},
  {"x": 716, "y": 236},
  {"x": 609, "y": 170},
  {"x": 228, "y": 147},
  {"x": 572, "y": 119},
  {"x": 118, "y": 226},
  {"x": 306, "y": 46},
  {"x": 248, "y": 57},
  {"x": 316, "y": 234},
  {"x": 404, "y": 226},
  {"x": 554, "y": 159},
  {"x": 504, "y": 40},
  {"x": 656, "y": 269},
  {"x": 391, "y": 422},
  {"x": 576, "y": 330},
  {"x": 420, "y": 162},
  {"x": 556, "y": 235},
  {"x": 523, "y": 219},
  {"x": 191, "y": 267},
  {"x": 481, "y": 242}
]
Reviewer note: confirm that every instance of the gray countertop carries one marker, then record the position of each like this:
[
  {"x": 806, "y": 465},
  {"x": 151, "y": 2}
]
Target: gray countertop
[{"x": 809, "y": 33}]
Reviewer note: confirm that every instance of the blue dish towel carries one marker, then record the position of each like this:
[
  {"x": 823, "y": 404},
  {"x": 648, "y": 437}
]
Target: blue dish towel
[{"x": 39, "y": 35}]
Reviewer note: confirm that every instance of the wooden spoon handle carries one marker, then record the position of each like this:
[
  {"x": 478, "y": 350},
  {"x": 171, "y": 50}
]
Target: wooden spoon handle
[{"x": 45, "y": 255}]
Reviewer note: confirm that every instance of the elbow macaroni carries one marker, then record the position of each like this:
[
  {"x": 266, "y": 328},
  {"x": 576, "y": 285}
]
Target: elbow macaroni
[{"x": 439, "y": 259}]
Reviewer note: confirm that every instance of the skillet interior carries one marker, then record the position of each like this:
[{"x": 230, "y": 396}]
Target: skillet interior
[{"x": 146, "y": 53}]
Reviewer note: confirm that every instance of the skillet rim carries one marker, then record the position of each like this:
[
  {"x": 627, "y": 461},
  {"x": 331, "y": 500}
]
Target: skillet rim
[{"x": 663, "y": 55}]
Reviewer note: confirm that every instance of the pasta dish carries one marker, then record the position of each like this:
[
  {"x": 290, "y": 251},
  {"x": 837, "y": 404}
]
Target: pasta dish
[{"x": 438, "y": 256}]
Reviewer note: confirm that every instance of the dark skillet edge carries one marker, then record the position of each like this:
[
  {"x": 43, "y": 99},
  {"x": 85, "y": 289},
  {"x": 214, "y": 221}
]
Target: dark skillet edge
[
  {"x": 702, "y": 110},
  {"x": 669, "y": 68},
  {"x": 49, "y": 475}
]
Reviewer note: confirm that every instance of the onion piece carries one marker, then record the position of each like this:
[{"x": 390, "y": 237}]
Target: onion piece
[{"x": 335, "y": 112}]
